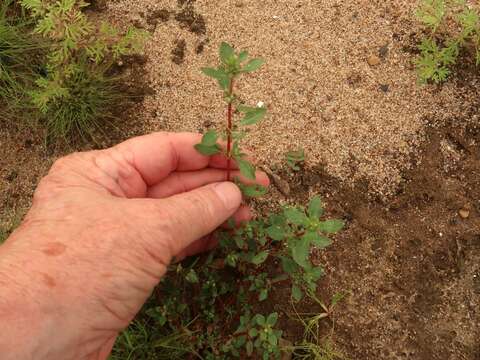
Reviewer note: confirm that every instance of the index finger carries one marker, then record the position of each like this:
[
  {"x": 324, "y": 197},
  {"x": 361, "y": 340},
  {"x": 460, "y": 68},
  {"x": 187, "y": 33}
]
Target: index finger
[{"x": 157, "y": 155}]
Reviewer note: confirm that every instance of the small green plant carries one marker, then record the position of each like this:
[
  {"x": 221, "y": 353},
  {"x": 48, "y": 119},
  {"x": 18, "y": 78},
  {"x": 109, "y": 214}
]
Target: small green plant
[
  {"x": 295, "y": 159},
  {"x": 232, "y": 66},
  {"x": 440, "y": 51},
  {"x": 218, "y": 303},
  {"x": 74, "y": 90},
  {"x": 313, "y": 346}
]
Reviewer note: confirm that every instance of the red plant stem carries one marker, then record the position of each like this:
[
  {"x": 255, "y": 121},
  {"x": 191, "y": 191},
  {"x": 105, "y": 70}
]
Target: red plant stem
[{"x": 229, "y": 131}]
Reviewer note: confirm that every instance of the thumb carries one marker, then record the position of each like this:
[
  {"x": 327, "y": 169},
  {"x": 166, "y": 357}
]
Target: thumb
[{"x": 194, "y": 214}]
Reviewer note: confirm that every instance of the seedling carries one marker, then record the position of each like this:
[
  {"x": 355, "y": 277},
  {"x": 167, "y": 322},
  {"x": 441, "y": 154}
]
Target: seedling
[
  {"x": 232, "y": 66},
  {"x": 295, "y": 159},
  {"x": 437, "y": 56}
]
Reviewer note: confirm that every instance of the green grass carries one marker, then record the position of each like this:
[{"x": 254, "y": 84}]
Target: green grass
[
  {"x": 7, "y": 227},
  {"x": 314, "y": 346},
  {"x": 143, "y": 341},
  {"x": 3, "y": 235},
  {"x": 19, "y": 58},
  {"x": 87, "y": 103}
]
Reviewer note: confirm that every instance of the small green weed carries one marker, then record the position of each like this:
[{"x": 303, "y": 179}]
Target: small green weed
[
  {"x": 210, "y": 302},
  {"x": 79, "y": 58},
  {"x": 295, "y": 159},
  {"x": 8, "y": 227},
  {"x": 438, "y": 56},
  {"x": 227, "y": 73},
  {"x": 313, "y": 346}
]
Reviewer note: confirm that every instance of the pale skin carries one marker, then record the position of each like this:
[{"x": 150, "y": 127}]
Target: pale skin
[{"x": 103, "y": 227}]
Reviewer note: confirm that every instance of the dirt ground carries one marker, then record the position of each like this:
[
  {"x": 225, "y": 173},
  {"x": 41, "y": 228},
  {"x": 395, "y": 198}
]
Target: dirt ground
[{"x": 399, "y": 162}]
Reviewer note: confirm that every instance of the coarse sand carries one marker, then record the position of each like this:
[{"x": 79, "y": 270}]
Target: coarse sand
[{"x": 363, "y": 120}]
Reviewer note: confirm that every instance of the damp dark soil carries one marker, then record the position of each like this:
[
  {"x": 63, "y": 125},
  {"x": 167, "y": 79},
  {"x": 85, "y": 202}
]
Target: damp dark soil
[{"x": 410, "y": 264}]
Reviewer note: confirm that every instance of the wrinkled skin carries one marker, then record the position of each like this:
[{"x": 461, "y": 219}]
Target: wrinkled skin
[{"x": 103, "y": 227}]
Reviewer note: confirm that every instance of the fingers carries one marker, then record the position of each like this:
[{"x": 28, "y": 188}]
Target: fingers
[
  {"x": 178, "y": 182},
  {"x": 157, "y": 155},
  {"x": 195, "y": 214},
  {"x": 209, "y": 242}
]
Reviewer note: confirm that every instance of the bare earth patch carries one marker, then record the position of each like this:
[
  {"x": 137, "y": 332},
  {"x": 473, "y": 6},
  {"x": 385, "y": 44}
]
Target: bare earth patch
[{"x": 362, "y": 119}]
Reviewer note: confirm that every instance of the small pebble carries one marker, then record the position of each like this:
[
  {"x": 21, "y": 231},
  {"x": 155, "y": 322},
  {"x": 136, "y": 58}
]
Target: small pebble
[
  {"x": 373, "y": 60},
  {"x": 384, "y": 87},
  {"x": 383, "y": 51},
  {"x": 464, "y": 213}
]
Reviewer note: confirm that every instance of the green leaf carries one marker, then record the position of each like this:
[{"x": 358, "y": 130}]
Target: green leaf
[
  {"x": 318, "y": 240},
  {"x": 240, "y": 341},
  {"x": 239, "y": 241},
  {"x": 224, "y": 83},
  {"x": 301, "y": 252},
  {"x": 315, "y": 207},
  {"x": 254, "y": 116},
  {"x": 272, "y": 319},
  {"x": 272, "y": 339},
  {"x": 260, "y": 258},
  {"x": 253, "y": 332},
  {"x": 207, "y": 150},
  {"x": 316, "y": 273},
  {"x": 192, "y": 277},
  {"x": 246, "y": 109},
  {"x": 254, "y": 190},
  {"x": 276, "y": 232},
  {"x": 288, "y": 265},
  {"x": 246, "y": 168},
  {"x": 214, "y": 73},
  {"x": 231, "y": 260},
  {"x": 336, "y": 298},
  {"x": 263, "y": 295},
  {"x": 296, "y": 216},
  {"x": 260, "y": 319},
  {"x": 226, "y": 53},
  {"x": 249, "y": 348},
  {"x": 321, "y": 241},
  {"x": 210, "y": 138},
  {"x": 253, "y": 65},
  {"x": 331, "y": 226},
  {"x": 242, "y": 56},
  {"x": 297, "y": 293}
]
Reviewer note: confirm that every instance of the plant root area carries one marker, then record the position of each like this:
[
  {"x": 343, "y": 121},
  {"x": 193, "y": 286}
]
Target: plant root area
[{"x": 399, "y": 162}]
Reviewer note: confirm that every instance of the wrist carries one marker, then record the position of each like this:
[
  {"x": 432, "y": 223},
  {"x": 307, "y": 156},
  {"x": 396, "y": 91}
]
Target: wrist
[
  {"x": 20, "y": 312},
  {"x": 29, "y": 310}
]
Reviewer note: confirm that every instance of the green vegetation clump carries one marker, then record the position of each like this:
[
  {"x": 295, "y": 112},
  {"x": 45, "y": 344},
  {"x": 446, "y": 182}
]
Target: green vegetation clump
[
  {"x": 295, "y": 159},
  {"x": 220, "y": 305},
  {"x": 67, "y": 85},
  {"x": 74, "y": 92},
  {"x": 441, "y": 49},
  {"x": 18, "y": 64}
]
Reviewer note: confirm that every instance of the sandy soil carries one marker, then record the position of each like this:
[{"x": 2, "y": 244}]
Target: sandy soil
[{"x": 361, "y": 121}]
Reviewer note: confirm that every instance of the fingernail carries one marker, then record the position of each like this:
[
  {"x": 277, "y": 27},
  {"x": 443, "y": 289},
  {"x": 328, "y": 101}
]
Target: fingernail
[{"x": 229, "y": 194}]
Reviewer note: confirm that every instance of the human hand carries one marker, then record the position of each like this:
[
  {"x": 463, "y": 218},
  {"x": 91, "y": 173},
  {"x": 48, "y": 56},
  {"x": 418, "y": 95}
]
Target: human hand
[{"x": 103, "y": 227}]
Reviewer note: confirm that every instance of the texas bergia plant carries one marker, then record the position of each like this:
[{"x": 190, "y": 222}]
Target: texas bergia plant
[
  {"x": 232, "y": 66},
  {"x": 216, "y": 306}
]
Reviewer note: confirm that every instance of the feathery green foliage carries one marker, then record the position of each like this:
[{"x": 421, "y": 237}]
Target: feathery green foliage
[
  {"x": 80, "y": 55},
  {"x": 437, "y": 57}
]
